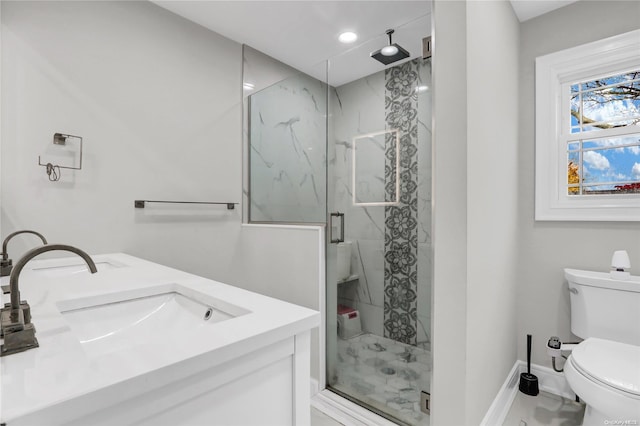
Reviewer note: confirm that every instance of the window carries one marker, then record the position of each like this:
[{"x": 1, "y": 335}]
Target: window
[
  {"x": 603, "y": 142},
  {"x": 588, "y": 131}
]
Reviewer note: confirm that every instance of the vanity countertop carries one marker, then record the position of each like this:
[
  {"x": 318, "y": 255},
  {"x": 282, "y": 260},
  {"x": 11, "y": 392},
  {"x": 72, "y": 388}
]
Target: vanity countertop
[{"x": 60, "y": 369}]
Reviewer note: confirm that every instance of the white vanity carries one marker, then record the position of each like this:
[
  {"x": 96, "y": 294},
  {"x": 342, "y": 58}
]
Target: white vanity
[{"x": 140, "y": 343}]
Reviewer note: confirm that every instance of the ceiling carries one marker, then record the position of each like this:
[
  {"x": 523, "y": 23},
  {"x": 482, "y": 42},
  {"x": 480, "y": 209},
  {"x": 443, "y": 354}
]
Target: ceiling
[
  {"x": 304, "y": 34},
  {"x": 528, "y": 9}
]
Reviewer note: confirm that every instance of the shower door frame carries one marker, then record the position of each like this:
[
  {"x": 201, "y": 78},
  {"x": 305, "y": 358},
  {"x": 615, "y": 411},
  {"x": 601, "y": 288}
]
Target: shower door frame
[{"x": 334, "y": 399}]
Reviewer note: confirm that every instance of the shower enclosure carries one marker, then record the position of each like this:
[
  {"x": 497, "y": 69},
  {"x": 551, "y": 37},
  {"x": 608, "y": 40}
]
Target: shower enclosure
[
  {"x": 379, "y": 174},
  {"x": 352, "y": 149}
]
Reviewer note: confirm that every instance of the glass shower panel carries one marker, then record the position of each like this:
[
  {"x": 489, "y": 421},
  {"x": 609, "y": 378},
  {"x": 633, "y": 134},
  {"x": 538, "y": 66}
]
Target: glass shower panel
[
  {"x": 286, "y": 114},
  {"x": 379, "y": 176}
]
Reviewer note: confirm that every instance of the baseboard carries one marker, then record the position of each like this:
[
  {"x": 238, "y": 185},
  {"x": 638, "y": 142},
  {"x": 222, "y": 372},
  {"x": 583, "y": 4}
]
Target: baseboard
[
  {"x": 500, "y": 406},
  {"x": 346, "y": 412},
  {"x": 548, "y": 381}
]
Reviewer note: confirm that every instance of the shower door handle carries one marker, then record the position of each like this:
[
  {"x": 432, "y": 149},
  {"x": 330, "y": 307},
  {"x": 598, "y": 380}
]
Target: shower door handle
[{"x": 340, "y": 216}]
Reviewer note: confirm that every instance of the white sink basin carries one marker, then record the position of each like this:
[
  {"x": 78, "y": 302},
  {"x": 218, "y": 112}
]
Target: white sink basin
[
  {"x": 66, "y": 270},
  {"x": 110, "y": 322}
]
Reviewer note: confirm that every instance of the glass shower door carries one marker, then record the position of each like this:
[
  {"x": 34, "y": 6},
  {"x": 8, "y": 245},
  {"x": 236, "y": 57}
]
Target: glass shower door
[{"x": 379, "y": 279}]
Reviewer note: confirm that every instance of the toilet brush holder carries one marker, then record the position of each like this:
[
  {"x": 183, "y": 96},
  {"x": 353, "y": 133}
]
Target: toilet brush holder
[{"x": 528, "y": 381}]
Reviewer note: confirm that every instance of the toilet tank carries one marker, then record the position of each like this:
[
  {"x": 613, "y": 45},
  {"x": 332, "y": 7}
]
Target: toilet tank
[{"x": 604, "y": 307}]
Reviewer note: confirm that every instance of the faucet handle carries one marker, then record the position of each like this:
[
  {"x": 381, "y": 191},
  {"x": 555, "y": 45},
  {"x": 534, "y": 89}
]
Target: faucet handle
[
  {"x": 11, "y": 320},
  {"x": 5, "y": 266}
]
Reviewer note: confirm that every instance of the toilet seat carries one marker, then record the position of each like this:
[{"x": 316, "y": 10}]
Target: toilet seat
[
  {"x": 612, "y": 364},
  {"x": 606, "y": 376}
]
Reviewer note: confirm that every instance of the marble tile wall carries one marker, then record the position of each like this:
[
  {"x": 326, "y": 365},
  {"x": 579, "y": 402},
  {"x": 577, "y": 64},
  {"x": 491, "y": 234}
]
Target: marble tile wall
[
  {"x": 287, "y": 155},
  {"x": 358, "y": 108}
]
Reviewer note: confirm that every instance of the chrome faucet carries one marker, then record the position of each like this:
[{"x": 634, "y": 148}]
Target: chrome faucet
[
  {"x": 5, "y": 262},
  {"x": 15, "y": 318}
]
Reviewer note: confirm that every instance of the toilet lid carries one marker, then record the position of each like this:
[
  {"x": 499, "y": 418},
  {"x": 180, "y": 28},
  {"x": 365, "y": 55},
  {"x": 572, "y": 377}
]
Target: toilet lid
[{"x": 612, "y": 363}]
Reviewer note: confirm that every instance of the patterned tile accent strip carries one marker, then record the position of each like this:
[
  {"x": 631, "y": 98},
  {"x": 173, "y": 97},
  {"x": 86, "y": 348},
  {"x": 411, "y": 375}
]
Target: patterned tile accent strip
[{"x": 401, "y": 220}]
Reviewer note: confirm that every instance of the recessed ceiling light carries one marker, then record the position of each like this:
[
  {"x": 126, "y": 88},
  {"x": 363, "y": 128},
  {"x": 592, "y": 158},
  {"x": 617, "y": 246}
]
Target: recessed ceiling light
[
  {"x": 248, "y": 86},
  {"x": 348, "y": 37},
  {"x": 422, "y": 88}
]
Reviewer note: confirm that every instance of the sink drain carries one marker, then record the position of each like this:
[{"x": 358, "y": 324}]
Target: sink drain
[{"x": 208, "y": 314}]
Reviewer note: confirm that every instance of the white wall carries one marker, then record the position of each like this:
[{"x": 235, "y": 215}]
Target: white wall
[
  {"x": 158, "y": 101},
  {"x": 449, "y": 213},
  {"x": 284, "y": 262},
  {"x": 475, "y": 138},
  {"x": 492, "y": 193},
  {"x": 498, "y": 273},
  {"x": 545, "y": 248}
]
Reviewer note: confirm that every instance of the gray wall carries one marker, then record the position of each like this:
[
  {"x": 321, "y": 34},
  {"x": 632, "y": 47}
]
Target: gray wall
[
  {"x": 492, "y": 161},
  {"x": 160, "y": 117},
  {"x": 160, "y": 112},
  {"x": 498, "y": 273},
  {"x": 450, "y": 213},
  {"x": 475, "y": 216},
  {"x": 545, "y": 248}
]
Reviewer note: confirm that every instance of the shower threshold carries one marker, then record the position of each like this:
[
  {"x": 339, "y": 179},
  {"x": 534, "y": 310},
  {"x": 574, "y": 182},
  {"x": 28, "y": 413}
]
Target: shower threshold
[{"x": 385, "y": 376}]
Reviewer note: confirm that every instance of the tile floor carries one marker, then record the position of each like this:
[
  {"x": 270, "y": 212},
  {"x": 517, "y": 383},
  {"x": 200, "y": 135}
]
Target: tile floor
[
  {"x": 389, "y": 376},
  {"x": 384, "y": 374},
  {"x": 542, "y": 410}
]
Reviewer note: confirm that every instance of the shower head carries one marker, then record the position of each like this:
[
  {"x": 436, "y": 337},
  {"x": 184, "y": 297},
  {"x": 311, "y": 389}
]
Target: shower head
[{"x": 391, "y": 53}]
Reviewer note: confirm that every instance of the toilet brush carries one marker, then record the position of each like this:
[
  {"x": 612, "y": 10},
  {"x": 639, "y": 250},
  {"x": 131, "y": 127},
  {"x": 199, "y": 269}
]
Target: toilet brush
[{"x": 528, "y": 382}]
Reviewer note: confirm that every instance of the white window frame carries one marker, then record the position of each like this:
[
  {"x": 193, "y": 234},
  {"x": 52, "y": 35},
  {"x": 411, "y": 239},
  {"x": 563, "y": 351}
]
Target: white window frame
[{"x": 554, "y": 74}]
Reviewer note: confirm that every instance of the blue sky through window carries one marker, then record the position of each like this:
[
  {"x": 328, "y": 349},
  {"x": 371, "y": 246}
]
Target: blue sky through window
[{"x": 606, "y": 103}]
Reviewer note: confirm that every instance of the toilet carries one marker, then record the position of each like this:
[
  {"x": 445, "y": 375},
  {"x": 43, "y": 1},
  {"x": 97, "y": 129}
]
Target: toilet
[{"x": 604, "y": 369}]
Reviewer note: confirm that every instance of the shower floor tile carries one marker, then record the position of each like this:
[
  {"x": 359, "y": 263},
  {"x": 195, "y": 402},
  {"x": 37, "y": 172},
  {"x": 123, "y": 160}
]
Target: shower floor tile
[{"x": 384, "y": 374}]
